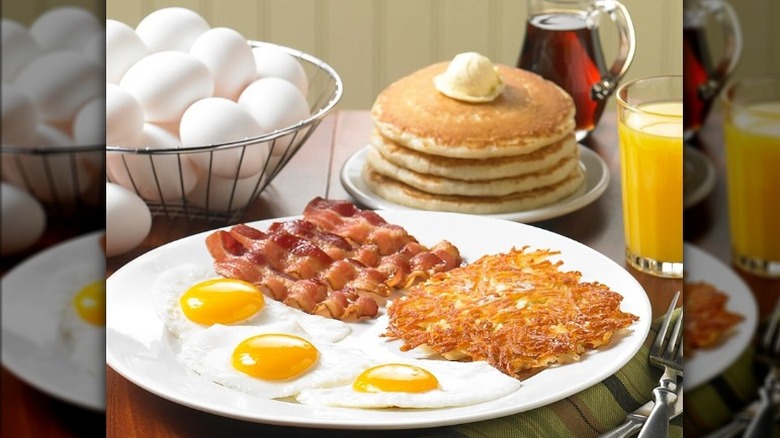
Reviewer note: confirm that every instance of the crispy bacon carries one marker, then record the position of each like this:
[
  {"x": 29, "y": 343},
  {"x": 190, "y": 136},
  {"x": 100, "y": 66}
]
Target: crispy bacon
[{"x": 338, "y": 261}]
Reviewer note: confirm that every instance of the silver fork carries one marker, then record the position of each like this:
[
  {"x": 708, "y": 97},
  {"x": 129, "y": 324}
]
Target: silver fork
[
  {"x": 666, "y": 353},
  {"x": 769, "y": 353}
]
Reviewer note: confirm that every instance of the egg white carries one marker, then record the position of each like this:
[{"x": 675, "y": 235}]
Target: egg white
[
  {"x": 460, "y": 384},
  {"x": 84, "y": 343},
  {"x": 172, "y": 283},
  {"x": 208, "y": 353}
]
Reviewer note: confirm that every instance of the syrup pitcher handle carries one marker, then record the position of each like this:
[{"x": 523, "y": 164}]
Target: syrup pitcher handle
[
  {"x": 732, "y": 42},
  {"x": 626, "y": 47}
]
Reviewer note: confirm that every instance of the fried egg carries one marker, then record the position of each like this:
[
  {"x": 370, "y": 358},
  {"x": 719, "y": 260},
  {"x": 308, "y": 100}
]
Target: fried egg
[
  {"x": 83, "y": 327},
  {"x": 189, "y": 298},
  {"x": 272, "y": 361},
  {"x": 404, "y": 383}
]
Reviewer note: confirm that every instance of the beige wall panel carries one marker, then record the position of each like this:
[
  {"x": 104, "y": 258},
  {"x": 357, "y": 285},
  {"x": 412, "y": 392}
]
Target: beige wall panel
[
  {"x": 129, "y": 12},
  {"x": 508, "y": 36},
  {"x": 240, "y": 15},
  {"x": 464, "y": 27},
  {"x": 406, "y": 37},
  {"x": 350, "y": 49},
  {"x": 295, "y": 23},
  {"x": 756, "y": 25}
]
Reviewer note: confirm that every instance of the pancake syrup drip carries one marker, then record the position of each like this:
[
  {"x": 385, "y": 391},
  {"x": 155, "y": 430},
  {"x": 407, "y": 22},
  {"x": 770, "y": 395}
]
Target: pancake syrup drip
[{"x": 565, "y": 48}]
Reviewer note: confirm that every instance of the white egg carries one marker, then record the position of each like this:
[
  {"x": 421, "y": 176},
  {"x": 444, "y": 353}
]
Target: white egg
[
  {"x": 217, "y": 120},
  {"x": 273, "y": 62},
  {"x": 89, "y": 125},
  {"x": 209, "y": 354},
  {"x": 128, "y": 220},
  {"x": 166, "y": 83},
  {"x": 229, "y": 58},
  {"x": 61, "y": 82},
  {"x": 224, "y": 194},
  {"x": 459, "y": 384},
  {"x": 23, "y": 220},
  {"x": 274, "y": 103},
  {"x": 171, "y": 29},
  {"x": 18, "y": 49},
  {"x": 124, "y": 116},
  {"x": 96, "y": 48},
  {"x": 60, "y": 178},
  {"x": 171, "y": 284},
  {"x": 123, "y": 49},
  {"x": 66, "y": 27},
  {"x": 159, "y": 177},
  {"x": 19, "y": 118},
  {"x": 82, "y": 326}
]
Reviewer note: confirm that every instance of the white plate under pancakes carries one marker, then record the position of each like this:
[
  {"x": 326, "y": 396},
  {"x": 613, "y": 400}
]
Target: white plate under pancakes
[
  {"x": 596, "y": 181},
  {"x": 139, "y": 348}
]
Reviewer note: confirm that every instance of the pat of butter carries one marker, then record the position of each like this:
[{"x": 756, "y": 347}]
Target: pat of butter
[{"x": 470, "y": 77}]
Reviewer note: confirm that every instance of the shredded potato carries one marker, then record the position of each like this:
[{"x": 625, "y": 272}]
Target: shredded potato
[{"x": 518, "y": 311}]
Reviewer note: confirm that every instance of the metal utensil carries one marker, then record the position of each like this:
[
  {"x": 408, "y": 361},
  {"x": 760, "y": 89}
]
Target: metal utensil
[
  {"x": 769, "y": 353},
  {"x": 636, "y": 419},
  {"x": 666, "y": 353}
]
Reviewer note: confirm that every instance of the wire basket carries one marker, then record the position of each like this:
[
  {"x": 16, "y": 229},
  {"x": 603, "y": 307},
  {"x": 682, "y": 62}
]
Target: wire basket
[
  {"x": 164, "y": 177},
  {"x": 68, "y": 181}
]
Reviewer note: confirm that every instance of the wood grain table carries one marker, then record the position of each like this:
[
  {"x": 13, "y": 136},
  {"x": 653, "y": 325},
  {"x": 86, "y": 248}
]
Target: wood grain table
[{"x": 133, "y": 412}]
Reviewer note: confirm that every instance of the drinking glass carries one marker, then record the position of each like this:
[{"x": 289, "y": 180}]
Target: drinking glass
[
  {"x": 562, "y": 44},
  {"x": 650, "y": 129},
  {"x": 752, "y": 135},
  {"x": 704, "y": 78}
]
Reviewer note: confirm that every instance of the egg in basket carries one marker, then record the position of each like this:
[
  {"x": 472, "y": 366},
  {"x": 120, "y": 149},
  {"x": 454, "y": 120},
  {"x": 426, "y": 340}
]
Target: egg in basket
[{"x": 201, "y": 133}]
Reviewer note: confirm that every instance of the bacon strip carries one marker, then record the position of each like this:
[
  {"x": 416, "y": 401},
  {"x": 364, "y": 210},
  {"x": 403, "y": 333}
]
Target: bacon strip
[{"x": 338, "y": 261}]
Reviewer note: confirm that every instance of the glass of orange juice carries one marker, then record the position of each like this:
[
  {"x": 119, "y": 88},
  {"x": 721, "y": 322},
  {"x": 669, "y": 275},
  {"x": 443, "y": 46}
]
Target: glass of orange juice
[
  {"x": 650, "y": 129},
  {"x": 752, "y": 136}
]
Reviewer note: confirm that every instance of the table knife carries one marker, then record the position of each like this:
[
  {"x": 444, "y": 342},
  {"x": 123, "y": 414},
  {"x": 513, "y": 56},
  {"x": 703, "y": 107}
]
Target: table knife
[{"x": 636, "y": 419}]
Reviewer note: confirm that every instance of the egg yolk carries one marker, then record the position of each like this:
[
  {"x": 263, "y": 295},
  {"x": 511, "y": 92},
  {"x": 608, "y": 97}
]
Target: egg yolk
[
  {"x": 395, "y": 377},
  {"x": 221, "y": 301},
  {"x": 90, "y": 303},
  {"x": 274, "y": 356}
]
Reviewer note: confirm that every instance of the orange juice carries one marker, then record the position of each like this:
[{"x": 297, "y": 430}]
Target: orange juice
[
  {"x": 651, "y": 153},
  {"x": 752, "y": 136}
]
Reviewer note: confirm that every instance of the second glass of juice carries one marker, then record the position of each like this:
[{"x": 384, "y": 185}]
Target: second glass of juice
[
  {"x": 650, "y": 129},
  {"x": 752, "y": 135}
]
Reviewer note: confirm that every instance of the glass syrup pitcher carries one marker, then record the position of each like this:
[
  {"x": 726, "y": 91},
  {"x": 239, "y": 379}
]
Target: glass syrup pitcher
[
  {"x": 562, "y": 44},
  {"x": 703, "y": 78}
]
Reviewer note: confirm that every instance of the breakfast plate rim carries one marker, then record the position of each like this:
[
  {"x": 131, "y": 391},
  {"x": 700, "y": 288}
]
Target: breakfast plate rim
[
  {"x": 597, "y": 177},
  {"x": 704, "y": 365},
  {"x": 79, "y": 388},
  {"x": 137, "y": 352}
]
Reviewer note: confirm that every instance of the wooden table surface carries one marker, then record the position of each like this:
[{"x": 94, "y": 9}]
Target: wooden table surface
[{"x": 314, "y": 171}]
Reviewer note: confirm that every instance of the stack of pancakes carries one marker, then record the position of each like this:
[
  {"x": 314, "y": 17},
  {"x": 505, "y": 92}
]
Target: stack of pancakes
[{"x": 433, "y": 152}]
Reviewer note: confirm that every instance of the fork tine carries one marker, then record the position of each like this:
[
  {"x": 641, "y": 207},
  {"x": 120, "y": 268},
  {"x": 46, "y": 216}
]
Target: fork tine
[
  {"x": 660, "y": 338},
  {"x": 676, "y": 337}
]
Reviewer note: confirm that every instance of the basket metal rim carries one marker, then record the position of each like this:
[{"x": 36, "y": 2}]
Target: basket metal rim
[{"x": 322, "y": 112}]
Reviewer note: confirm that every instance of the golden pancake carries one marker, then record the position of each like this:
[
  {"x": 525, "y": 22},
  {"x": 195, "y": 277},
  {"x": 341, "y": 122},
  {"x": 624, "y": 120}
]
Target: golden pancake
[
  {"x": 474, "y": 169},
  {"x": 492, "y": 187},
  {"x": 530, "y": 113},
  {"x": 403, "y": 194}
]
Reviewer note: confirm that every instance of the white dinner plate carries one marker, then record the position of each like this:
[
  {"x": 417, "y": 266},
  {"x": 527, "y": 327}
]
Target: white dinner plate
[
  {"x": 596, "y": 181},
  {"x": 698, "y": 176},
  {"x": 706, "y": 364},
  {"x": 140, "y": 348},
  {"x": 34, "y": 295}
]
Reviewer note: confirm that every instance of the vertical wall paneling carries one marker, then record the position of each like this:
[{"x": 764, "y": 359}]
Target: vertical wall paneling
[
  {"x": 409, "y": 37},
  {"x": 510, "y": 31},
  {"x": 373, "y": 43},
  {"x": 465, "y": 27}
]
